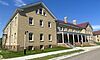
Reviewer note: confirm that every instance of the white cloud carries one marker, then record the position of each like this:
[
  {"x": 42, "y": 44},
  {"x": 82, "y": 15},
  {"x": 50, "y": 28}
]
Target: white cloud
[
  {"x": 4, "y": 3},
  {"x": 19, "y": 3},
  {"x": 96, "y": 27}
]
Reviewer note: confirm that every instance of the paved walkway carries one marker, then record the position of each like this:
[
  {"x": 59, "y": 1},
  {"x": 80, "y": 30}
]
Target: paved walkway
[
  {"x": 92, "y": 55},
  {"x": 55, "y": 52},
  {"x": 87, "y": 49}
]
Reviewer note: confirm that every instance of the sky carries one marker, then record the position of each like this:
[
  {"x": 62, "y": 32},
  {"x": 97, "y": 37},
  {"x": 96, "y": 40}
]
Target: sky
[{"x": 80, "y": 10}]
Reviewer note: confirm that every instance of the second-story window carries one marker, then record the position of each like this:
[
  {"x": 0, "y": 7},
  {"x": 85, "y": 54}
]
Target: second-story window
[
  {"x": 41, "y": 37},
  {"x": 61, "y": 28},
  {"x": 49, "y": 24},
  {"x": 50, "y": 37},
  {"x": 31, "y": 22},
  {"x": 41, "y": 23}
]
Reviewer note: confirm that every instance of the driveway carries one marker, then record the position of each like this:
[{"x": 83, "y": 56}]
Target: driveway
[{"x": 91, "y": 55}]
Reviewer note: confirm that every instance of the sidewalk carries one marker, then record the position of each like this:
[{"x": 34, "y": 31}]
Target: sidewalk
[
  {"x": 87, "y": 49},
  {"x": 56, "y": 52}
]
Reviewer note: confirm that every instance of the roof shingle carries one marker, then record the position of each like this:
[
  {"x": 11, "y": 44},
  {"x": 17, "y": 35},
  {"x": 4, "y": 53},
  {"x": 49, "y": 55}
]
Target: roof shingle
[
  {"x": 83, "y": 25},
  {"x": 96, "y": 32}
]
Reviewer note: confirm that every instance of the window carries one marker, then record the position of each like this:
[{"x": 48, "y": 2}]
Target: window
[
  {"x": 14, "y": 35},
  {"x": 41, "y": 23},
  {"x": 30, "y": 36},
  {"x": 41, "y": 37},
  {"x": 41, "y": 47},
  {"x": 50, "y": 37},
  {"x": 30, "y": 48},
  {"x": 44, "y": 13},
  {"x": 65, "y": 29},
  {"x": 37, "y": 12},
  {"x": 50, "y": 46},
  {"x": 61, "y": 28},
  {"x": 49, "y": 24},
  {"x": 30, "y": 20},
  {"x": 98, "y": 40},
  {"x": 40, "y": 11}
]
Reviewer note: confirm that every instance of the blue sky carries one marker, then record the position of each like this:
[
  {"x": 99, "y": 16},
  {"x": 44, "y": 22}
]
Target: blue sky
[{"x": 81, "y": 10}]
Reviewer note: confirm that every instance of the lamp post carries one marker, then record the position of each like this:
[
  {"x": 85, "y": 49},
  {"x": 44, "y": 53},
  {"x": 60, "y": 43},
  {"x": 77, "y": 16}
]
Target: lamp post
[{"x": 25, "y": 38}]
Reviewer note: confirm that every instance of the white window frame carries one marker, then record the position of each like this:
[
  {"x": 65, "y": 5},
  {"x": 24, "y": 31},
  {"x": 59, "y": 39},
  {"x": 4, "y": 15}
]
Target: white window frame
[
  {"x": 50, "y": 24},
  {"x": 50, "y": 37},
  {"x": 50, "y": 46},
  {"x": 42, "y": 47},
  {"x": 42, "y": 37},
  {"x": 32, "y": 21},
  {"x": 32, "y": 37},
  {"x": 42, "y": 23}
]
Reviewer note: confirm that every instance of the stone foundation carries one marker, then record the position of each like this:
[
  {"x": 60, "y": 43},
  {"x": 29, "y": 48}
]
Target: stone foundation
[{"x": 18, "y": 48}]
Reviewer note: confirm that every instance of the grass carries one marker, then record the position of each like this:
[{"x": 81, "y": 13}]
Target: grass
[
  {"x": 57, "y": 55},
  {"x": 11, "y": 54},
  {"x": 98, "y": 43}
]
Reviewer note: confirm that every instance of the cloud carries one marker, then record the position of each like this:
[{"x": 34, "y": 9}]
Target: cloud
[
  {"x": 96, "y": 27},
  {"x": 4, "y": 3},
  {"x": 19, "y": 3}
]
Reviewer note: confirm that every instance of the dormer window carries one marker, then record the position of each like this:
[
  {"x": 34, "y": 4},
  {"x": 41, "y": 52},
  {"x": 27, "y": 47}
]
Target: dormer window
[{"x": 40, "y": 11}]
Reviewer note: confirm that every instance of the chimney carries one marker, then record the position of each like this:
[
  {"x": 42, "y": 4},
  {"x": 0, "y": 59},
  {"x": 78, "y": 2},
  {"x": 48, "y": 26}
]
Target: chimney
[
  {"x": 65, "y": 19},
  {"x": 74, "y": 22}
]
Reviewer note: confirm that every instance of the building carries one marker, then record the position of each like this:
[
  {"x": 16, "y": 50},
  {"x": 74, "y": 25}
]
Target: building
[
  {"x": 34, "y": 26},
  {"x": 73, "y": 33},
  {"x": 96, "y": 36},
  {"x": 31, "y": 27}
]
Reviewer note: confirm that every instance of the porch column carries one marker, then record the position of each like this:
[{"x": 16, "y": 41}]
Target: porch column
[
  {"x": 62, "y": 37},
  {"x": 82, "y": 39},
  {"x": 68, "y": 37},
  {"x": 73, "y": 40},
  {"x": 78, "y": 38}
]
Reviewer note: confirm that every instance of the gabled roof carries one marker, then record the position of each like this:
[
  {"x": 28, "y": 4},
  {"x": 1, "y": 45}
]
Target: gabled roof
[
  {"x": 68, "y": 24},
  {"x": 37, "y": 3},
  {"x": 26, "y": 6},
  {"x": 96, "y": 32},
  {"x": 83, "y": 25}
]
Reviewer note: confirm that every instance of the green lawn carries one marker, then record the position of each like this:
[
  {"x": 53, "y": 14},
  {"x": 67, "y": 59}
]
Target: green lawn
[
  {"x": 98, "y": 43},
  {"x": 57, "y": 55},
  {"x": 11, "y": 54}
]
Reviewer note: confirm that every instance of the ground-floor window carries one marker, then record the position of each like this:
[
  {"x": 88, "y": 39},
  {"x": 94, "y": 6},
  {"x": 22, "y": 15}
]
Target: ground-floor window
[
  {"x": 41, "y": 47},
  {"x": 50, "y": 46},
  {"x": 30, "y": 48}
]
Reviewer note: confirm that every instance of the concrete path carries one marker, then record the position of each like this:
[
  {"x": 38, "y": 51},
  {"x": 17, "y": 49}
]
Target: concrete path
[{"x": 87, "y": 49}]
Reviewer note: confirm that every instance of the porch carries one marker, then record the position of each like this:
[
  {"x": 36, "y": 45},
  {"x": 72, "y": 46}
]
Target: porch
[{"x": 73, "y": 38}]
